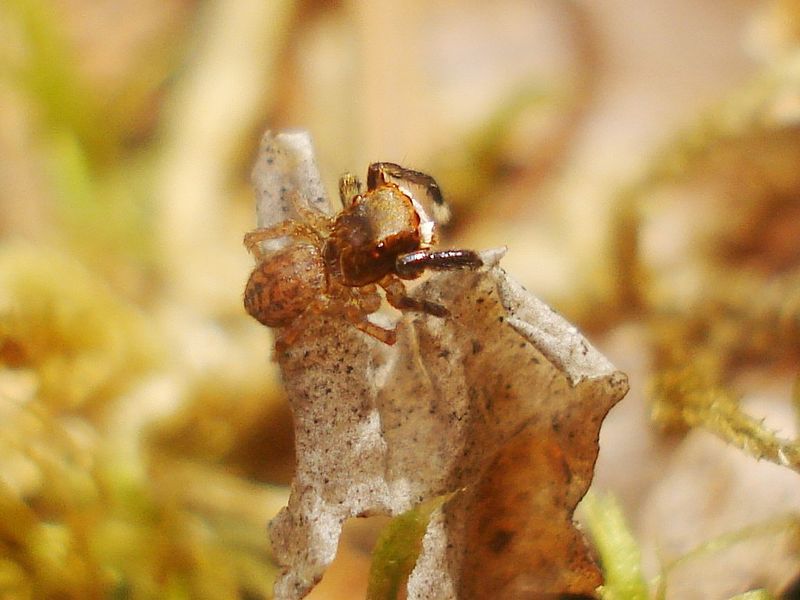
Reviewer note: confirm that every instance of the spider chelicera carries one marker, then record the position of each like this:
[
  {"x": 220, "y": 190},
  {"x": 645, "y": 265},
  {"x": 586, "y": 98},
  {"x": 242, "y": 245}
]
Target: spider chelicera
[{"x": 333, "y": 265}]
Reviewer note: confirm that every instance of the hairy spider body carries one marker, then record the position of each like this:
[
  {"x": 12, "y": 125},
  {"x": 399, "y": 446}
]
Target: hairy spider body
[{"x": 332, "y": 265}]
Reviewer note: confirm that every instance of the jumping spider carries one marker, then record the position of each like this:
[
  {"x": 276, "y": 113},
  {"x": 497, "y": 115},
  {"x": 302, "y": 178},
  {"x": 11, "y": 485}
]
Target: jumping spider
[{"x": 333, "y": 265}]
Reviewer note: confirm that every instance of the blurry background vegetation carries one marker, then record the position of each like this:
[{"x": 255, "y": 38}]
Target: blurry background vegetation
[{"x": 640, "y": 160}]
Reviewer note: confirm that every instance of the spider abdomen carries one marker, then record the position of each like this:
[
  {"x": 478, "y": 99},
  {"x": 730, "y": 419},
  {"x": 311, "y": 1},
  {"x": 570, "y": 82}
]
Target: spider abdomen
[{"x": 282, "y": 288}]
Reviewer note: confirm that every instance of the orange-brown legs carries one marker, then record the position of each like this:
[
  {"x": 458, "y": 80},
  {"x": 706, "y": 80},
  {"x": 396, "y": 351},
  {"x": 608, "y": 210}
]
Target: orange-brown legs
[
  {"x": 359, "y": 319},
  {"x": 357, "y": 305},
  {"x": 396, "y": 296},
  {"x": 350, "y": 187},
  {"x": 319, "y": 222},
  {"x": 352, "y": 304},
  {"x": 295, "y": 229}
]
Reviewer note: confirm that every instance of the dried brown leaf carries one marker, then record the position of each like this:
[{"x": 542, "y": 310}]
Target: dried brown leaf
[{"x": 501, "y": 403}]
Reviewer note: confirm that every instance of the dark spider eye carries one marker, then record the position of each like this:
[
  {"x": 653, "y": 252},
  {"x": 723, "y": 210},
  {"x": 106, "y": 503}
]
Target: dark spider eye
[{"x": 436, "y": 193}]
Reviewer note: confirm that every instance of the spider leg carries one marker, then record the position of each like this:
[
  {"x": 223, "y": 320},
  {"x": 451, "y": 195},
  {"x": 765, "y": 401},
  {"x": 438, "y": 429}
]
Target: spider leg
[
  {"x": 350, "y": 187},
  {"x": 287, "y": 336},
  {"x": 296, "y": 229},
  {"x": 368, "y": 298},
  {"x": 319, "y": 222},
  {"x": 354, "y": 311},
  {"x": 396, "y": 296},
  {"x": 354, "y": 304},
  {"x": 411, "y": 265},
  {"x": 359, "y": 319}
]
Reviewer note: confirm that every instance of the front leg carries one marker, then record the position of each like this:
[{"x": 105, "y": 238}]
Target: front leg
[{"x": 411, "y": 265}]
